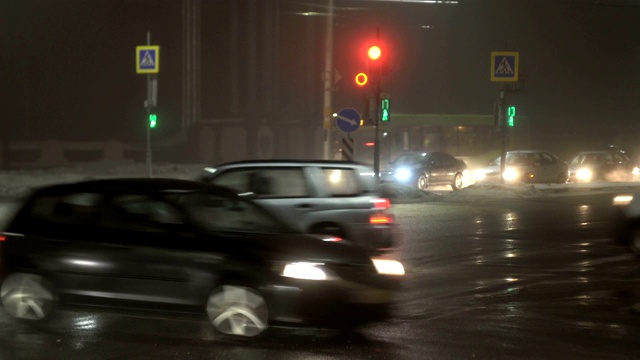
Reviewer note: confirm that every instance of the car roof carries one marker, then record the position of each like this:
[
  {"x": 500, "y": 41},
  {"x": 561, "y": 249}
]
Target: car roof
[
  {"x": 526, "y": 151},
  {"x": 290, "y": 162},
  {"x": 131, "y": 184}
]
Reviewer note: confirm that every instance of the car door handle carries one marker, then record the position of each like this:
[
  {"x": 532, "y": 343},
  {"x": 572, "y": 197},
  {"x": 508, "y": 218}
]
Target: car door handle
[{"x": 304, "y": 206}]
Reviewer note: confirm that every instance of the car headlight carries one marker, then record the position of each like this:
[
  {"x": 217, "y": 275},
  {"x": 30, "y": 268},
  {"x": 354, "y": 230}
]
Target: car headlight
[
  {"x": 479, "y": 174},
  {"x": 510, "y": 174},
  {"x": 388, "y": 267},
  {"x": 403, "y": 174},
  {"x": 622, "y": 200},
  {"x": 636, "y": 171},
  {"x": 584, "y": 174},
  {"x": 305, "y": 271}
]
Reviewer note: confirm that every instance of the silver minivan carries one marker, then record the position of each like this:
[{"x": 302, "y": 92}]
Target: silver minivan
[{"x": 337, "y": 198}]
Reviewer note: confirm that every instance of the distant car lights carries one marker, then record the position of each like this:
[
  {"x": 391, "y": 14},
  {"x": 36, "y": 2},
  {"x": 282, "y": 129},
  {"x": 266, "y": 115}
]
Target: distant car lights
[{"x": 402, "y": 174}]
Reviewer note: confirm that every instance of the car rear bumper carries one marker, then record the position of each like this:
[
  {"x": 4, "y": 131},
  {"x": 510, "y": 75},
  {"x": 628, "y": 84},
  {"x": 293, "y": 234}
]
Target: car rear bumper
[{"x": 377, "y": 238}]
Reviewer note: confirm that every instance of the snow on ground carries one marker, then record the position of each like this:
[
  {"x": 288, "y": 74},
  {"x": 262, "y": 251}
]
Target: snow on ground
[{"x": 16, "y": 183}]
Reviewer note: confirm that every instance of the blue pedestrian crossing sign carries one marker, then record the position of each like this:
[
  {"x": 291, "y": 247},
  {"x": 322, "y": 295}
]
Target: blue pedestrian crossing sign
[
  {"x": 147, "y": 59},
  {"x": 504, "y": 65}
]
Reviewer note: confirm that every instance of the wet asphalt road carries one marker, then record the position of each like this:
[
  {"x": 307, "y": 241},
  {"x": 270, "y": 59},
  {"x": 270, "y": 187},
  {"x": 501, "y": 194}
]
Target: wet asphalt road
[{"x": 513, "y": 279}]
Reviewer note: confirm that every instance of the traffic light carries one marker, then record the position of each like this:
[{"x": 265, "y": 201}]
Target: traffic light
[
  {"x": 374, "y": 52},
  {"x": 362, "y": 79},
  {"x": 385, "y": 115},
  {"x": 153, "y": 120},
  {"x": 511, "y": 112}
]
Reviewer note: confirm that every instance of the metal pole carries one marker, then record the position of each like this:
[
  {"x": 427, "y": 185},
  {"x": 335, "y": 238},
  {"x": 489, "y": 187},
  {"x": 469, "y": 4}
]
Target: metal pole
[
  {"x": 328, "y": 83},
  {"x": 148, "y": 105},
  {"x": 377, "y": 90},
  {"x": 503, "y": 129}
]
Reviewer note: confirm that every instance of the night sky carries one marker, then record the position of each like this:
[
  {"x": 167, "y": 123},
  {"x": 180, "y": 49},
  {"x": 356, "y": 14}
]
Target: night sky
[{"x": 67, "y": 67}]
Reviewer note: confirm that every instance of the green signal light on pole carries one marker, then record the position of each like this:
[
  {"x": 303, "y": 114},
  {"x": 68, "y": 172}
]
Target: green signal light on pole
[
  {"x": 153, "y": 120},
  {"x": 384, "y": 106},
  {"x": 512, "y": 114}
]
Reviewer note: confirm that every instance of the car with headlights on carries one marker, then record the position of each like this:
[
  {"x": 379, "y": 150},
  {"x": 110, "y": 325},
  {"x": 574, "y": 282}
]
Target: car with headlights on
[
  {"x": 525, "y": 166},
  {"x": 601, "y": 165},
  {"x": 424, "y": 169},
  {"x": 173, "y": 246},
  {"x": 340, "y": 198}
]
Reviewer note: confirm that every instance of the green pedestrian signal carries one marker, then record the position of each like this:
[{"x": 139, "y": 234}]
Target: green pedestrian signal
[
  {"x": 153, "y": 120},
  {"x": 385, "y": 115},
  {"x": 512, "y": 114}
]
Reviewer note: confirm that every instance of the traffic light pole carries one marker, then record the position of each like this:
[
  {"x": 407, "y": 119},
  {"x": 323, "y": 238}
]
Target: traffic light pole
[
  {"x": 148, "y": 104},
  {"x": 503, "y": 129},
  {"x": 376, "y": 147}
]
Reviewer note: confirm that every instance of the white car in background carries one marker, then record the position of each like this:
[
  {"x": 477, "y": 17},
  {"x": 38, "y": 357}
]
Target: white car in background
[
  {"x": 525, "y": 166},
  {"x": 338, "y": 198}
]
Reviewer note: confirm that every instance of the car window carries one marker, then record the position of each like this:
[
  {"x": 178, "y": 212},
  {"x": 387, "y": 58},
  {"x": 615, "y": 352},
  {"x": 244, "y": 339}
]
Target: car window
[
  {"x": 546, "y": 159},
  {"x": 266, "y": 182},
  {"x": 238, "y": 180},
  {"x": 341, "y": 182},
  {"x": 283, "y": 182},
  {"x": 76, "y": 208},
  {"x": 220, "y": 213},
  {"x": 137, "y": 212},
  {"x": 519, "y": 160}
]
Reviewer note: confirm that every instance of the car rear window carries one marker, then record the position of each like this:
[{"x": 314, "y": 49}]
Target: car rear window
[
  {"x": 266, "y": 182},
  {"x": 343, "y": 182}
]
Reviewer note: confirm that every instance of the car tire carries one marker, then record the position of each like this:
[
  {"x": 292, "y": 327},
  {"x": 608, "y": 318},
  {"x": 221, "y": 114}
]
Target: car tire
[
  {"x": 562, "y": 179},
  {"x": 238, "y": 311},
  {"x": 423, "y": 182},
  {"x": 457, "y": 182},
  {"x": 27, "y": 297}
]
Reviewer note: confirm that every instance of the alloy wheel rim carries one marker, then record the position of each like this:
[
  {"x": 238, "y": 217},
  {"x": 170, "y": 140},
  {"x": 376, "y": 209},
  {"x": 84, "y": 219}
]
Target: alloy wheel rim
[
  {"x": 26, "y": 297},
  {"x": 238, "y": 311}
]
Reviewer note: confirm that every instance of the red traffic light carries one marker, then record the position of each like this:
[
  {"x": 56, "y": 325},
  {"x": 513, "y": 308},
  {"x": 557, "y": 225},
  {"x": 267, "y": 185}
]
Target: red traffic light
[
  {"x": 362, "y": 79},
  {"x": 374, "y": 52}
]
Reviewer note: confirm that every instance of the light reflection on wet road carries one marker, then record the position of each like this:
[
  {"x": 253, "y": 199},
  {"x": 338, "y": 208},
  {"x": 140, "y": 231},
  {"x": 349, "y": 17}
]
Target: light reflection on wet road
[{"x": 525, "y": 279}]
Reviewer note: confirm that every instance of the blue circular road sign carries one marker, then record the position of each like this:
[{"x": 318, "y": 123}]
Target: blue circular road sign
[{"x": 348, "y": 120}]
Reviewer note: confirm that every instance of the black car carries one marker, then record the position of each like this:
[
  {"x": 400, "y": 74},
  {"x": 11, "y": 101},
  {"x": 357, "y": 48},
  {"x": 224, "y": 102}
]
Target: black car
[
  {"x": 601, "y": 165},
  {"x": 424, "y": 169},
  {"x": 183, "y": 246}
]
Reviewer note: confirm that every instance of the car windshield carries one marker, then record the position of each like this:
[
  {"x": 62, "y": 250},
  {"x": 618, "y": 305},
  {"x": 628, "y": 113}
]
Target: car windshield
[
  {"x": 222, "y": 213},
  {"x": 516, "y": 159},
  {"x": 588, "y": 159}
]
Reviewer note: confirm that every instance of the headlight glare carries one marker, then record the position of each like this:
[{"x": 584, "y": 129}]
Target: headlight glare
[
  {"x": 479, "y": 174},
  {"x": 388, "y": 267},
  {"x": 510, "y": 174},
  {"x": 305, "y": 271},
  {"x": 403, "y": 174},
  {"x": 584, "y": 174}
]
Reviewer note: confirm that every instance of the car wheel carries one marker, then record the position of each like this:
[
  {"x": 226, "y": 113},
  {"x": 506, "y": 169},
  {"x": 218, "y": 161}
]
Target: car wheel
[
  {"x": 237, "y": 310},
  {"x": 423, "y": 182},
  {"x": 27, "y": 296},
  {"x": 562, "y": 179},
  {"x": 457, "y": 182}
]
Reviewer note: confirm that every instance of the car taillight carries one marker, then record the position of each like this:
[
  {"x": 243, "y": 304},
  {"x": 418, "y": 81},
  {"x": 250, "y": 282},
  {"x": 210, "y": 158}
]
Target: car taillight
[
  {"x": 381, "y": 203},
  {"x": 380, "y": 219},
  {"x": 2, "y": 238}
]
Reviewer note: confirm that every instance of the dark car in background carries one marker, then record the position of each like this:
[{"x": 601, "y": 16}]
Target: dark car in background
[
  {"x": 186, "y": 247},
  {"x": 425, "y": 169},
  {"x": 601, "y": 165},
  {"x": 525, "y": 166},
  {"x": 339, "y": 198}
]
